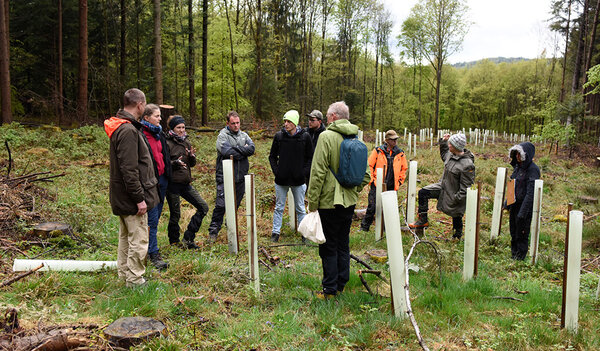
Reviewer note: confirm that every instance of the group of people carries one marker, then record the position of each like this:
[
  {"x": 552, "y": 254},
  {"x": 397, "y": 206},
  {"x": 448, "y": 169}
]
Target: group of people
[{"x": 148, "y": 165}]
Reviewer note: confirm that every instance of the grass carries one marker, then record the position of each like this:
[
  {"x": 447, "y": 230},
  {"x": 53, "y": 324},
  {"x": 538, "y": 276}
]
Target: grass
[{"x": 204, "y": 297}]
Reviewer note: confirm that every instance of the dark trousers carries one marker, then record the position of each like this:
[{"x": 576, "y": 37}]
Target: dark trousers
[
  {"x": 425, "y": 194},
  {"x": 368, "y": 218},
  {"x": 173, "y": 199},
  {"x": 519, "y": 233},
  {"x": 219, "y": 211},
  {"x": 335, "y": 252}
]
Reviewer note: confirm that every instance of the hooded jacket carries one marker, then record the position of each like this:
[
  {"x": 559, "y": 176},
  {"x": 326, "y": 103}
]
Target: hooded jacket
[
  {"x": 459, "y": 174},
  {"x": 525, "y": 174},
  {"x": 378, "y": 159},
  {"x": 324, "y": 191},
  {"x": 290, "y": 157},
  {"x": 132, "y": 177},
  {"x": 240, "y": 146},
  {"x": 179, "y": 148}
]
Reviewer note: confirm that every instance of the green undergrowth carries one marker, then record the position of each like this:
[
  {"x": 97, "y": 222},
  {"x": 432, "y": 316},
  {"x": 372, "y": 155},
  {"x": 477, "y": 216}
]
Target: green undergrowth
[{"x": 205, "y": 299}]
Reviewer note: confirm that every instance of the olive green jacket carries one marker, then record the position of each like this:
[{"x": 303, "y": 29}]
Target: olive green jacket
[{"x": 324, "y": 191}]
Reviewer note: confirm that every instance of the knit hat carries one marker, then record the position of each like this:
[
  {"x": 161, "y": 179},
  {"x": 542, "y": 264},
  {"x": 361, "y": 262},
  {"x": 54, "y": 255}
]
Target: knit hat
[
  {"x": 175, "y": 121},
  {"x": 458, "y": 141},
  {"x": 292, "y": 116},
  {"x": 315, "y": 114}
]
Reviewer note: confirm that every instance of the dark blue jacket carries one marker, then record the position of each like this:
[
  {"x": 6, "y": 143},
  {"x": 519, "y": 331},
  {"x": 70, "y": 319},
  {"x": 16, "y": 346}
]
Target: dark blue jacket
[{"x": 525, "y": 174}]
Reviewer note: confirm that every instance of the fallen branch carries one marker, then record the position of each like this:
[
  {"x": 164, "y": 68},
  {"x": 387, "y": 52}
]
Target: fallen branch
[
  {"x": 507, "y": 298},
  {"x": 183, "y": 299},
  {"x": 364, "y": 282},
  {"x": 261, "y": 261},
  {"x": 9, "y": 159},
  {"x": 360, "y": 261},
  {"x": 20, "y": 276},
  {"x": 273, "y": 259}
]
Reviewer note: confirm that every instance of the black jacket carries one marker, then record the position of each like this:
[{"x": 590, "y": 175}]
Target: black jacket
[
  {"x": 525, "y": 174},
  {"x": 290, "y": 157},
  {"x": 178, "y": 148},
  {"x": 314, "y": 134}
]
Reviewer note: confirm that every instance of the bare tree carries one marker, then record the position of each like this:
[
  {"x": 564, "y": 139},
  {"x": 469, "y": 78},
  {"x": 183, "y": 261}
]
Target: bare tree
[
  {"x": 232, "y": 57},
  {"x": 4, "y": 67},
  {"x": 158, "y": 81},
  {"x": 444, "y": 28},
  {"x": 82, "y": 95},
  {"x": 60, "y": 111},
  {"x": 191, "y": 62},
  {"x": 204, "y": 62}
]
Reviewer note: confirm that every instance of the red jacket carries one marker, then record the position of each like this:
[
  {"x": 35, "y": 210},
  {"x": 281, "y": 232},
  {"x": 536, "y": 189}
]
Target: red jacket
[{"x": 378, "y": 159}]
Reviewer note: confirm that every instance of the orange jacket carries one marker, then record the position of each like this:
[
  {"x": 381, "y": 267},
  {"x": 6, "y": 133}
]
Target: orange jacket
[{"x": 378, "y": 159}]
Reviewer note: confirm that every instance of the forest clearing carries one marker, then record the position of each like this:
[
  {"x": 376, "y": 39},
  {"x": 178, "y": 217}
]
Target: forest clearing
[{"x": 205, "y": 300}]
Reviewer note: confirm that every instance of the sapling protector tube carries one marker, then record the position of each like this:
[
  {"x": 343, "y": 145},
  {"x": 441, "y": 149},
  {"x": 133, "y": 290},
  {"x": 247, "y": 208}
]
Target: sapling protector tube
[
  {"x": 411, "y": 199},
  {"x": 498, "y": 200},
  {"x": 252, "y": 233},
  {"x": 230, "y": 206},
  {"x": 536, "y": 220},
  {"x": 573, "y": 270},
  {"x": 470, "y": 227},
  {"x": 378, "y": 210},
  {"x": 395, "y": 253},
  {"x": 291, "y": 209}
]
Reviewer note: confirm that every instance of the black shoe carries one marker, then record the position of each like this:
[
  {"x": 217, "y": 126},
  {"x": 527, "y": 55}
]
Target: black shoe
[
  {"x": 304, "y": 240},
  {"x": 274, "y": 237},
  {"x": 422, "y": 222},
  {"x": 364, "y": 229},
  {"x": 457, "y": 234},
  {"x": 157, "y": 261},
  {"x": 191, "y": 245},
  {"x": 212, "y": 238}
]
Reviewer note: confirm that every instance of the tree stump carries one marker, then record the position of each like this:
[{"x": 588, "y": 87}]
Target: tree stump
[
  {"x": 379, "y": 256},
  {"x": 52, "y": 229},
  {"x": 165, "y": 112},
  {"x": 129, "y": 331}
]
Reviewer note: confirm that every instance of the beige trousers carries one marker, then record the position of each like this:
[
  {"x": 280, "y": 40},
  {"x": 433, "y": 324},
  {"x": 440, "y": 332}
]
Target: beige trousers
[{"x": 133, "y": 246}]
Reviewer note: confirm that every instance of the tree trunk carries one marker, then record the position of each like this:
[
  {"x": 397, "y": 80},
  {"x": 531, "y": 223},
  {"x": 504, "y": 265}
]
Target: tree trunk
[
  {"x": 258, "y": 43},
  {"x": 561, "y": 98},
  {"x": 123, "y": 61},
  {"x": 326, "y": 9},
  {"x": 204, "y": 62},
  {"x": 375, "y": 87},
  {"x": 232, "y": 57},
  {"x": 4, "y": 67},
  {"x": 191, "y": 63},
  {"x": 158, "y": 80},
  {"x": 60, "y": 110},
  {"x": 575, "y": 84},
  {"x": 82, "y": 95},
  {"x": 590, "y": 52}
]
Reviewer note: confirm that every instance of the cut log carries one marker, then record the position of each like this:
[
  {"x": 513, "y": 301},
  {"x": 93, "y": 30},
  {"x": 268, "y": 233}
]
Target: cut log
[
  {"x": 49, "y": 229},
  {"x": 129, "y": 331},
  {"x": 379, "y": 256}
]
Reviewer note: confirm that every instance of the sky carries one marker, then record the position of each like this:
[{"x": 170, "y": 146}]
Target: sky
[{"x": 508, "y": 28}]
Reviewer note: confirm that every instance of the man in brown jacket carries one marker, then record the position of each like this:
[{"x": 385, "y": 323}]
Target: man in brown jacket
[{"x": 133, "y": 188}]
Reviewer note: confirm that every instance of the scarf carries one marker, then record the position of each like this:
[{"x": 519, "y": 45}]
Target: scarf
[
  {"x": 177, "y": 136},
  {"x": 155, "y": 130}
]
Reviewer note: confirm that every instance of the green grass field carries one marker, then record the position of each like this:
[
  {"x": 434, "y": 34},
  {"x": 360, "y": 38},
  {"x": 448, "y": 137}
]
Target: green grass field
[{"x": 205, "y": 299}]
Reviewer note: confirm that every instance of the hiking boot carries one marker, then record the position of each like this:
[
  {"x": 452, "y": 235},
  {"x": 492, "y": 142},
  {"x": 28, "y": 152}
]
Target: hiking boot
[
  {"x": 157, "y": 261},
  {"x": 274, "y": 237},
  {"x": 322, "y": 295},
  {"x": 190, "y": 244},
  {"x": 304, "y": 240},
  {"x": 421, "y": 222},
  {"x": 212, "y": 238},
  {"x": 364, "y": 228},
  {"x": 457, "y": 234}
]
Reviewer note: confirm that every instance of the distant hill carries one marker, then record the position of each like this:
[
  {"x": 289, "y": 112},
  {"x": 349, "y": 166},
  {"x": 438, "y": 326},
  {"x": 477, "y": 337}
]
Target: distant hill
[{"x": 492, "y": 59}]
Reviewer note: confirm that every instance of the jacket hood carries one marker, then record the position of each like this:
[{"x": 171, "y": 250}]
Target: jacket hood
[
  {"x": 111, "y": 124},
  {"x": 395, "y": 150},
  {"x": 527, "y": 152},
  {"x": 299, "y": 131},
  {"x": 343, "y": 126}
]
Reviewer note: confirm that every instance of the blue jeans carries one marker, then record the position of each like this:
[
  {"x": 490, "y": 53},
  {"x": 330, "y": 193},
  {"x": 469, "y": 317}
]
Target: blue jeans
[
  {"x": 281, "y": 196},
  {"x": 154, "y": 215}
]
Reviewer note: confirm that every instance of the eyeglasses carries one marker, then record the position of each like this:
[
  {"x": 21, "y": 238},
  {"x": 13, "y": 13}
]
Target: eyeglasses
[{"x": 313, "y": 119}]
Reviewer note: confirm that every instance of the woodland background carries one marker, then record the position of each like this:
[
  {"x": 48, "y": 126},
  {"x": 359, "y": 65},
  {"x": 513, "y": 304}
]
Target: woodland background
[{"x": 68, "y": 62}]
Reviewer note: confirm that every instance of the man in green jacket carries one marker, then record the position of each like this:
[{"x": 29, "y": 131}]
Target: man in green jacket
[
  {"x": 334, "y": 202},
  {"x": 133, "y": 188}
]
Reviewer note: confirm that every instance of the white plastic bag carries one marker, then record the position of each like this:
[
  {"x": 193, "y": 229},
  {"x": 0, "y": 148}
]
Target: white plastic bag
[{"x": 311, "y": 228}]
